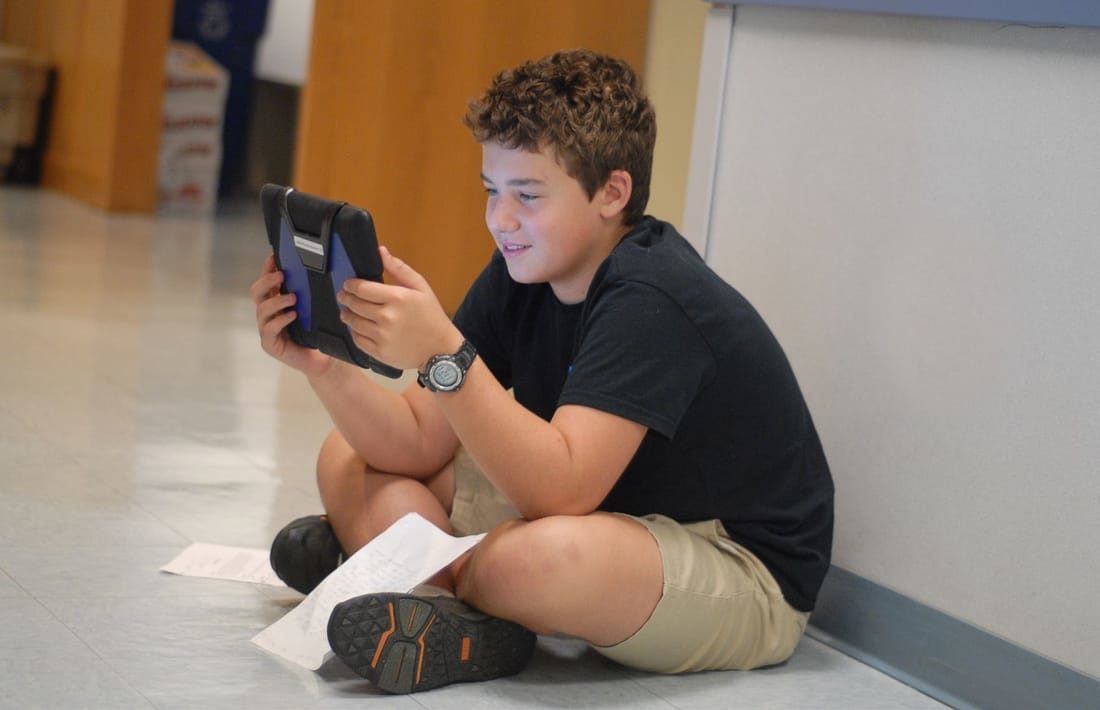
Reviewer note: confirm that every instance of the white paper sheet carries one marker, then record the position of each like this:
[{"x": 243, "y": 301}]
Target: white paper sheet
[
  {"x": 406, "y": 554},
  {"x": 240, "y": 564}
]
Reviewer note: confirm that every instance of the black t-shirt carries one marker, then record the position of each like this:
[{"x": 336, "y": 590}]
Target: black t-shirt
[{"x": 663, "y": 341}]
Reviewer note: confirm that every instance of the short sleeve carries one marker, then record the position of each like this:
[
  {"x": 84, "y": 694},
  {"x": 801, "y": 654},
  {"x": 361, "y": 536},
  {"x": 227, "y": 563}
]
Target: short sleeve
[{"x": 640, "y": 357}]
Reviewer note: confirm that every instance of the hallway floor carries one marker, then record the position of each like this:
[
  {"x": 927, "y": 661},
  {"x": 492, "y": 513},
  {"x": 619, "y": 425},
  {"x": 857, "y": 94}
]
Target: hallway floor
[{"x": 137, "y": 415}]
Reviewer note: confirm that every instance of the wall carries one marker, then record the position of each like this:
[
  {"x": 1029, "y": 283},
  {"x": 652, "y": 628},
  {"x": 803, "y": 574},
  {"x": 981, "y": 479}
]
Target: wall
[
  {"x": 912, "y": 205},
  {"x": 671, "y": 75}
]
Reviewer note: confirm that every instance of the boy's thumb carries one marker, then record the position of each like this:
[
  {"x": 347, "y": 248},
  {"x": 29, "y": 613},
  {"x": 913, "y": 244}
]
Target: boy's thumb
[{"x": 402, "y": 273}]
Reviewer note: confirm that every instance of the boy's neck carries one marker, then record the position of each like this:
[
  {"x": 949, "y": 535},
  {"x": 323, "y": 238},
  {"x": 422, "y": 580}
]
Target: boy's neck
[{"x": 576, "y": 291}]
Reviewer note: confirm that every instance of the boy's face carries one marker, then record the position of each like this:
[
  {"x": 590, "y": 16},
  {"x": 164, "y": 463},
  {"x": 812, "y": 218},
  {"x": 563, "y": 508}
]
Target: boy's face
[{"x": 543, "y": 222}]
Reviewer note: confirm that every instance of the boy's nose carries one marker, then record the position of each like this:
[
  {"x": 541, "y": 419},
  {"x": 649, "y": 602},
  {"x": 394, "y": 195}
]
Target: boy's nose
[{"x": 500, "y": 219}]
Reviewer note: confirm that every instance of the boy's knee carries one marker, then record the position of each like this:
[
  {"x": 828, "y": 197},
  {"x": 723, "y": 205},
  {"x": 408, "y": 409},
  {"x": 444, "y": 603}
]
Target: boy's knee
[
  {"x": 336, "y": 458},
  {"x": 517, "y": 559}
]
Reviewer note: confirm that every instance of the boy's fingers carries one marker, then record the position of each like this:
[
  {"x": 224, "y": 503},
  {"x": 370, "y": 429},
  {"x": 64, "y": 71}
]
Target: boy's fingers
[
  {"x": 369, "y": 291},
  {"x": 277, "y": 320},
  {"x": 268, "y": 266},
  {"x": 269, "y": 334},
  {"x": 264, "y": 285},
  {"x": 272, "y": 306},
  {"x": 357, "y": 323}
]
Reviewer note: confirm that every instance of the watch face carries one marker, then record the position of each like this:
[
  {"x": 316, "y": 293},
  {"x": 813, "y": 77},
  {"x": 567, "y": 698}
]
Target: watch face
[{"x": 445, "y": 375}]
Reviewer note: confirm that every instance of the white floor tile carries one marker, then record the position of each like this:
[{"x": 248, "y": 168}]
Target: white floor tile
[
  {"x": 29, "y": 631},
  {"x": 53, "y": 682},
  {"x": 8, "y": 588}
]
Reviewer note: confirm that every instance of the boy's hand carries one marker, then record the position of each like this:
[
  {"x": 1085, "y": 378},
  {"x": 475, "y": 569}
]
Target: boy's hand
[
  {"x": 401, "y": 323},
  {"x": 274, "y": 312}
]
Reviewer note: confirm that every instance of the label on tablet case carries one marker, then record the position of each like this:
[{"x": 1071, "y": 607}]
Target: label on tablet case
[{"x": 309, "y": 245}]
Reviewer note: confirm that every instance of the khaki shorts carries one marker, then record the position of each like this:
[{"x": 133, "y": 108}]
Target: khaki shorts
[{"x": 720, "y": 609}]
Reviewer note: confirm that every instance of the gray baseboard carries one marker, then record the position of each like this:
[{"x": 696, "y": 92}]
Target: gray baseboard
[{"x": 956, "y": 663}]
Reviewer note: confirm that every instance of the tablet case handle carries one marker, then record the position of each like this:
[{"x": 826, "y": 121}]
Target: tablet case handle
[{"x": 312, "y": 250}]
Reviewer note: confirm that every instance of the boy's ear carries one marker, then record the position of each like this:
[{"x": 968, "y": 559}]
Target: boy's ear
[{"x": 615, "y": 193}]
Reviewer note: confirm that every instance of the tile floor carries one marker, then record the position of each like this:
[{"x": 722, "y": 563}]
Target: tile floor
[{"x": 138, "y": 414}]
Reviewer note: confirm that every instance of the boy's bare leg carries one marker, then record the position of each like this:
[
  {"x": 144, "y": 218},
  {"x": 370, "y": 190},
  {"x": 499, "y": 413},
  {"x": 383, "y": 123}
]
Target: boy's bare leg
[
  {"x": 598, "y": 577},
  {"x": 361, "y": 503}
]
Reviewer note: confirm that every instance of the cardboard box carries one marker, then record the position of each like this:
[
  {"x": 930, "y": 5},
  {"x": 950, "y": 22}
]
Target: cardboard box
[
  {"x": 191, "y": 137},
  {"x": 23, "y": 80}
]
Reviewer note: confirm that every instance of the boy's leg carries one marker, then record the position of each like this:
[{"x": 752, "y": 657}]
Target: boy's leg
[
  {"x": 402, "y": 642},
  {"x": 360, "y": 503},
  {"x": 598, "y": 577},
  {"x": 647, "y": 592}
]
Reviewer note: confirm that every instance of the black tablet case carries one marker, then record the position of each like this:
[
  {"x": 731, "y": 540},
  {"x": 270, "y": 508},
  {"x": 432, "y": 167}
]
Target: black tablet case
[{"x": 319, "y": 244}]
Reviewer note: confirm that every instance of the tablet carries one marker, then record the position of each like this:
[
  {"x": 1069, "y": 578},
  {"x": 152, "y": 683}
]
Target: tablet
[{"x": 319, "y": 244}]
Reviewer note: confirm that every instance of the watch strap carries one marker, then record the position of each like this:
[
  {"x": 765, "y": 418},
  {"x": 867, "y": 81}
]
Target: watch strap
[{"x": 465, "y": 355}]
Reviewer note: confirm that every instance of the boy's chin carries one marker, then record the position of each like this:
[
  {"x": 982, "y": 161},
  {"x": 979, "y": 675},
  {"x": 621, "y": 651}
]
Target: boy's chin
[{"x": 522, "y": 277}]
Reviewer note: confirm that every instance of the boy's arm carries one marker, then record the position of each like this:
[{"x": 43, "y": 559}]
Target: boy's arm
[
  {"x": 402, "y": 434},
  {"x": 397, "y": 432},
  {"x": 562, "y": 467},
  {"x": 566, "y": 466}
]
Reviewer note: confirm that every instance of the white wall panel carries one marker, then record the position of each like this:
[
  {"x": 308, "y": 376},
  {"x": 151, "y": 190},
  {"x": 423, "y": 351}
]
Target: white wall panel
[{"x": 914, "y": 206}]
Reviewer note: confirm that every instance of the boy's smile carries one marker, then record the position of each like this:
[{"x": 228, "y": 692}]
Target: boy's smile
[{"x": 543, "y": 222}]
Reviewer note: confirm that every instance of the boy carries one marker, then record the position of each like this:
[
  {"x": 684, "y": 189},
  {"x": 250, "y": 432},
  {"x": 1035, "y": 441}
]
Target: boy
[{"x": 654, "y": 486}]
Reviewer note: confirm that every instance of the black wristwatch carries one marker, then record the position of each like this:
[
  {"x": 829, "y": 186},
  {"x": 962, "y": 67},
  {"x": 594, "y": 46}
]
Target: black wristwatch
[{"x": 446, "y": 373}]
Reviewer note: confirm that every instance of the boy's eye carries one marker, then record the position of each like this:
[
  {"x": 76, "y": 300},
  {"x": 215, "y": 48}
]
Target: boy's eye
[
  {"x": 527, "y": 197},
  {"x": 490, "y": 191}
]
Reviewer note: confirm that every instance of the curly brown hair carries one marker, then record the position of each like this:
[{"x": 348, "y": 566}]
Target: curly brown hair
[{"x": 588, "y": 107}]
